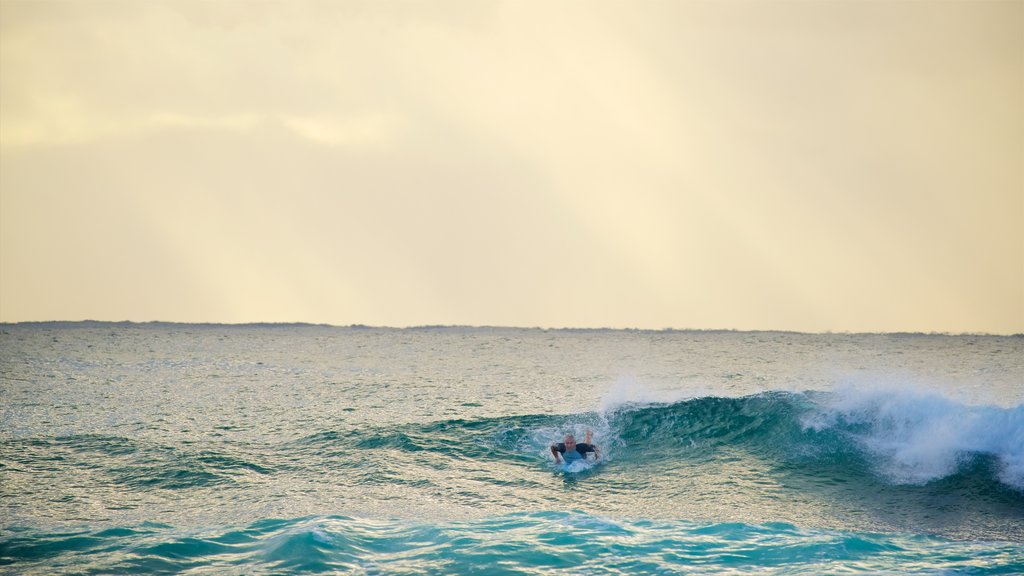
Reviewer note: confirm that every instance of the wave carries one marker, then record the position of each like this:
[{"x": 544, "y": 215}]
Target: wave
[
  {"x": 858, "y": 459},
  {"x": 873, "y": 436},
  {"x": 905, "y": 437},
  {"x": 915, "y": 437},
  {"x": 895, "y": 437},
  {"x": 521, "y": 543}
]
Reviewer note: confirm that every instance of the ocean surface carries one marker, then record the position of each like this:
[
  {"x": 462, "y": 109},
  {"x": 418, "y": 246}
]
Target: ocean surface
[{"x": 279, "y": 449}]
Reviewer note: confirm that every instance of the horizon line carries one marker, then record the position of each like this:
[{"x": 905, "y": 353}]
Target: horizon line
[{"x": 357, "y": 326}]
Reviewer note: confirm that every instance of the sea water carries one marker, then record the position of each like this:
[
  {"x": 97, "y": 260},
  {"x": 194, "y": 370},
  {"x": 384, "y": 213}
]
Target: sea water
[{"x": 204, "y": 449}]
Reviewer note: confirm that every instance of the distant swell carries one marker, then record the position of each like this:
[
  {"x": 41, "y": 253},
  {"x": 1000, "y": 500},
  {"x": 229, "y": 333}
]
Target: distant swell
[{"x": 133, "y": 464}]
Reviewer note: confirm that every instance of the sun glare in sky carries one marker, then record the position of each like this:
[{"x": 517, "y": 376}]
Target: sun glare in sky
[{"x": 790, "y": 165}]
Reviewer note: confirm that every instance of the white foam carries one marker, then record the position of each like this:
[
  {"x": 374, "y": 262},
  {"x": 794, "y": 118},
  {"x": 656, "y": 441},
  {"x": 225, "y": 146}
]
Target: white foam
[
  {"x": 919, "y": 435},
  {"x": 577, "y": 466},
  {"x": 628, "y": 391}
]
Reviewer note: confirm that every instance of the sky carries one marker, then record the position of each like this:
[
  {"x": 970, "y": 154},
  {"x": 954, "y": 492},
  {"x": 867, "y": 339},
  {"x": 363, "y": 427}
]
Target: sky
[{"x": 829, "y": 165}]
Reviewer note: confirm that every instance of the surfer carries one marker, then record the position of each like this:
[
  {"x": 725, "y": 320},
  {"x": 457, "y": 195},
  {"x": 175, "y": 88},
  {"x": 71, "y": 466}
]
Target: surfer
[{"x": 571, "y": 451}]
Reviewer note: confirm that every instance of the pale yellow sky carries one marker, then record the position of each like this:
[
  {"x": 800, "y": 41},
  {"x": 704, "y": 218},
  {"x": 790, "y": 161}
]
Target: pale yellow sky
[{"x": 810, "y": 165}]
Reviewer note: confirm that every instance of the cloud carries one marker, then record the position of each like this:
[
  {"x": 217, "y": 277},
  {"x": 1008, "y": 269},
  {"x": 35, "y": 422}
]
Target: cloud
[
  {"x": 363, "y": 131},
  {"x": 67, "y": 124}
]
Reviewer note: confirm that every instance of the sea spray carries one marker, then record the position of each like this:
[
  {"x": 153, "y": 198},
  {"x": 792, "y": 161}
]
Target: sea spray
[
  {"x": 630, "y": 391},
  {"x": 918, "y": 436}
]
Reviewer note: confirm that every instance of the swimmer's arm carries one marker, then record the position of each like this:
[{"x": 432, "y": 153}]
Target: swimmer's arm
[
  {"x": 588, "y": 440},
  {"x": 554, "y": 452}
]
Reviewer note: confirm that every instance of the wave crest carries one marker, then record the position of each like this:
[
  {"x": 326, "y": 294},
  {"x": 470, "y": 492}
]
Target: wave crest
[
  {"x": 915, "y": 437},
  {"x": 905, "y": 436}
]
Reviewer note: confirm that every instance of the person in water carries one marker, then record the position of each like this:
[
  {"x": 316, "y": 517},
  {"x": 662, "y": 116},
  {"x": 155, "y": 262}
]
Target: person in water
[{"x": 571, "y": 451}]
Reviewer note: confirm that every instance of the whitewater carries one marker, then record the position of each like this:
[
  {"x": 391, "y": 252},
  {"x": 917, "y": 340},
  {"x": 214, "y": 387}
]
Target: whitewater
[{"x": 279, "y": 449}]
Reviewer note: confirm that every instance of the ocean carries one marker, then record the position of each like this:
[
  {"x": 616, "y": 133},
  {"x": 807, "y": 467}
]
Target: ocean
[{"x": 287, "y": 449}]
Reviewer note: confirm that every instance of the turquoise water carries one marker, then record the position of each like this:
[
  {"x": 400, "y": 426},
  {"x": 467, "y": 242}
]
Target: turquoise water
[
  {"x": 555, "y": 542},
  {"x": 302, "y": 449}
]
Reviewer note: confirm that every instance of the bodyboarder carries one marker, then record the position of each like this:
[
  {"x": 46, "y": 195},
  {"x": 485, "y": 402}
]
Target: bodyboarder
[{"x": 570, "y": 451}]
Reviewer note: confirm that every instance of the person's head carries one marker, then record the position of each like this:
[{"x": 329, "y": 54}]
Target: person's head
[{"x": 570, "y": 442}]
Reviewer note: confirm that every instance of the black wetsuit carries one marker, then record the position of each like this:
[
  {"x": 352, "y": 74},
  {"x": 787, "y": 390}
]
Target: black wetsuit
[{"x": 581, "y": 447}]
